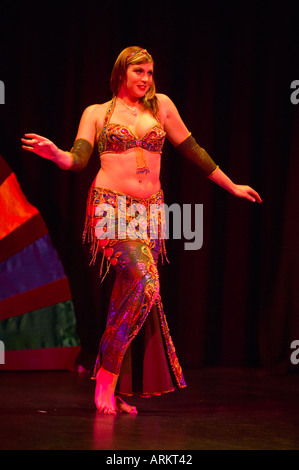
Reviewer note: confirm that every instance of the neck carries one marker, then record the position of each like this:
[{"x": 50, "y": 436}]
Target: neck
[{"x": 129, "y": 100}]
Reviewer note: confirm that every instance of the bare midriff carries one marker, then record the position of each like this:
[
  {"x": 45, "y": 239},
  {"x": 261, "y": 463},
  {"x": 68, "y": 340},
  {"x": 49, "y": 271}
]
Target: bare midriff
[{"x": 118, "y": 173}]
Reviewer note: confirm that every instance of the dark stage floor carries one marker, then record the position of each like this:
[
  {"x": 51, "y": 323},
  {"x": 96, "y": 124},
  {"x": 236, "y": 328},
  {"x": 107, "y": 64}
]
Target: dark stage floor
[{"x": 221, "y": 409}]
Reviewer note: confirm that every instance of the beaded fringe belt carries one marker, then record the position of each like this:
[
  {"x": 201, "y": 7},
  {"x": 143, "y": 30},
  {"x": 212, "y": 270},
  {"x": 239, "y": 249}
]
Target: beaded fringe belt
[{"x": 111, "y": 216}]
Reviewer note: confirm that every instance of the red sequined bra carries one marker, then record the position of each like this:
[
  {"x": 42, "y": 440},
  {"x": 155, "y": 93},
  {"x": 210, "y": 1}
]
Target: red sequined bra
[{"x": 118, "y": 138}]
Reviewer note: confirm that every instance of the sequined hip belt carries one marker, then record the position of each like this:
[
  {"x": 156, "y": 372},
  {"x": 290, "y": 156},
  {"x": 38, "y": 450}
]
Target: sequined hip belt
[{"x": 112, "y": 215}]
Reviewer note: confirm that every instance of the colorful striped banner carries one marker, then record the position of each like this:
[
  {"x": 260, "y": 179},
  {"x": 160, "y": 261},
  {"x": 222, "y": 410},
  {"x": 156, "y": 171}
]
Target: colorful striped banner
[{"x": 37, "y": 317}]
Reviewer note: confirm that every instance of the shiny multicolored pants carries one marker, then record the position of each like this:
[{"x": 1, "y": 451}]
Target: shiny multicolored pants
[{"x": 147, "y": 365}]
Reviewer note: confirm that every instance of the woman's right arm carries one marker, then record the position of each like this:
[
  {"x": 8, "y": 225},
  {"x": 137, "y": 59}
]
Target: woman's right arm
[{"x": 80, "y": 153}]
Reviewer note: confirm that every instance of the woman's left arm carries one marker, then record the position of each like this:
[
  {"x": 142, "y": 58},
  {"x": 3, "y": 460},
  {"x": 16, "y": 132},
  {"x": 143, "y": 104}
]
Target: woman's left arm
[
  {"x": 238, "y": 190},
  {"x": 181, "y": 138}
]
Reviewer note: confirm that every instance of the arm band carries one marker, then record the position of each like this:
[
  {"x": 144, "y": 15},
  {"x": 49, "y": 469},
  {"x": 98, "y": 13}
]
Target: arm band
[
  {"x": 80, "y": 152},
  {"x": 189, "y": 148}
]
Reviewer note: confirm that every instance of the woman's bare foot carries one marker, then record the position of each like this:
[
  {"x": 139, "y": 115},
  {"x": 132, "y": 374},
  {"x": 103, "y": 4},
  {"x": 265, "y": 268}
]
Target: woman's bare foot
[
  {"x": 104, "y": 392},
  {"x": 104, "y": 398},
  {"x": 123, "y": 407}
]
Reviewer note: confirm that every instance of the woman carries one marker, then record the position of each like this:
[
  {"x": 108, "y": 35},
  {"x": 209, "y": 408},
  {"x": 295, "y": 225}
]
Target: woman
[{"x": 130, "y": 131}]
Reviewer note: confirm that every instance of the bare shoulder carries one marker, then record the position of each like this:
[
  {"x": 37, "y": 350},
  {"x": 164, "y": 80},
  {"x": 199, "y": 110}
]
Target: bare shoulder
[
  {"x": 165, "y": 103},
  {"x": 164, "y": 100},
  {"x": 91, "y": 119},
  {"x": 167, "y": 108},
  {"x": 173, "y": 124},
  {"x": 95, "y": 112}
]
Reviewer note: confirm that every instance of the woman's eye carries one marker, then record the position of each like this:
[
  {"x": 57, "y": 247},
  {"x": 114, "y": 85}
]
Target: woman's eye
[{"x": 141, "y": 72}]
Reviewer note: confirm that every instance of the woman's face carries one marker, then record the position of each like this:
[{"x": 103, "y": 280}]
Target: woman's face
[{"x": 138, "y": 79}]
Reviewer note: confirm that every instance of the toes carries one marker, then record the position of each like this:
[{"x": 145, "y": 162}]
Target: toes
[
  {"x": 106, "y": 409},
  {"x": 109, "y": 411},
  {"x": 123, "y": 407},
  {"x": 134, "y": 410}
]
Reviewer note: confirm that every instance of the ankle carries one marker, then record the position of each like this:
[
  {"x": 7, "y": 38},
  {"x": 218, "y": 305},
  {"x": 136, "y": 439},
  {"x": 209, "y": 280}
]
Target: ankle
[{"x": 106, "y": 378}]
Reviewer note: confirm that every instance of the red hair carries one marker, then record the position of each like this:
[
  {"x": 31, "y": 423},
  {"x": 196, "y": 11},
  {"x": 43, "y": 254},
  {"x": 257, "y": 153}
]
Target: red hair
[{"x": 130, "y": 56}]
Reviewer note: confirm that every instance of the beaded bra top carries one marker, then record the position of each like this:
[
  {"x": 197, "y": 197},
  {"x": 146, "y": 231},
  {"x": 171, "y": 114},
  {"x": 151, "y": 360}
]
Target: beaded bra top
[{"x": 118, "y": 138}]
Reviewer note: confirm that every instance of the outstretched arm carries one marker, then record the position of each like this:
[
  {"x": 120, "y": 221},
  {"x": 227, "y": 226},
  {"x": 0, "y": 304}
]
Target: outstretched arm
[
  {"x": 181, "y": 138},
  {"x": 238, "y": 190},
  {"x": 80, "y": 153},
  {"x": 47, "y": 149}
]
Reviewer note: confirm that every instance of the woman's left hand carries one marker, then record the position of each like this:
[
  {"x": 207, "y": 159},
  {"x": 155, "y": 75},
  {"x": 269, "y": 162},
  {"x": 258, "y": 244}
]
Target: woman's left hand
[{"x": 246, "y": 192}]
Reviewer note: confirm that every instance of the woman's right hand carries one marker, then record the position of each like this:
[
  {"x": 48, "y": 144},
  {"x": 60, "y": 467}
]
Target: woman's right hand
[
  {"x": 41, "y": 146},
  {"x": 47, "y": 149}
]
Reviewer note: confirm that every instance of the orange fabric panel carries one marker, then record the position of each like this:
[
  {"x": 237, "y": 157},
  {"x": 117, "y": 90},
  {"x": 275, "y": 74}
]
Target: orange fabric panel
[{"x": 15, "y": 210}]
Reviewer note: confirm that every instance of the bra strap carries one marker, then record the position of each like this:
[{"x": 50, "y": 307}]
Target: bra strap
[
  {"x": 109, "y": 112},
  {"x": 102, "y": 135}
]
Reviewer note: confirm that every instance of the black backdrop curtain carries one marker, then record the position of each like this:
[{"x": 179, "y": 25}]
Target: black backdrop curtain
[{"x": 229, "y": 69}]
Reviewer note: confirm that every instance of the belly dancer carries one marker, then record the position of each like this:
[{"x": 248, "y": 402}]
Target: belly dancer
[{"x": 136, "y": 352}]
